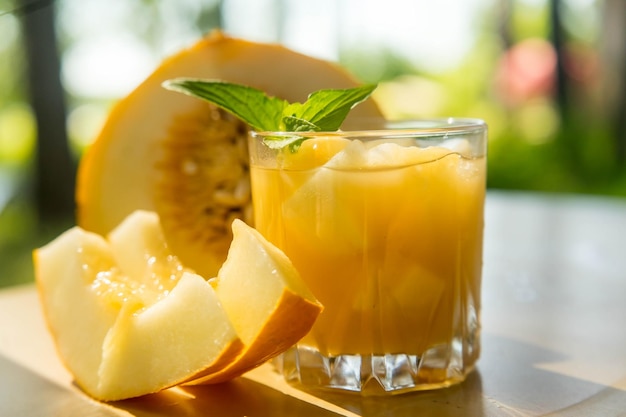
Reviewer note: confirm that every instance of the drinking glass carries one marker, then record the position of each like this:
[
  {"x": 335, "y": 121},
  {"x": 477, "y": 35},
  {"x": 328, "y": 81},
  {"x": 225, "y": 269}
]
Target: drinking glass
[{"x": 386, "y": 228}]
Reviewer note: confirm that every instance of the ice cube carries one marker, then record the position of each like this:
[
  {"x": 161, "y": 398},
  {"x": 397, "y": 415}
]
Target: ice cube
[
  {"x": 393, "y": 155},
  {"x": 353, "y": 156},
  {"x": 458, "y": 145}
]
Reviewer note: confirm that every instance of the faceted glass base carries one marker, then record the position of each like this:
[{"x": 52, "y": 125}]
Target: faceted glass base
[{"x": 372, "y": 375}]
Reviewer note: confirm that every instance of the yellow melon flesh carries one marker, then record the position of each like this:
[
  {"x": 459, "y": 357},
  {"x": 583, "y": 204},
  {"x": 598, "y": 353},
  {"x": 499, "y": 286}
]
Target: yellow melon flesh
[
  {"x": 119, "y": 337},
  {"x": 128, "y": 319},
  {"x": 265, "y": 299},
  {"x": 166, "y": 152}
]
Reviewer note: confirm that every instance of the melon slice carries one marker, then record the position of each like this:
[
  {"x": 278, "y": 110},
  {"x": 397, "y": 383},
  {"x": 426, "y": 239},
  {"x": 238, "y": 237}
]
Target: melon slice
[
  {"x": 271, "y": 312},
  {"x": 185, "y": 159},
  {"x": 123, "y": 336},
  {"x": 128, "y": 319}
]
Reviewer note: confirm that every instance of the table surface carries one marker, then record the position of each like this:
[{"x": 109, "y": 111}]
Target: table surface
[{"x": 554, "y": 335}]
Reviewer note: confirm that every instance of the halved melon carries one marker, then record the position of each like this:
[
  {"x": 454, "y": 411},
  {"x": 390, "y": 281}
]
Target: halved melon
[{"x": 186, "y": 159}]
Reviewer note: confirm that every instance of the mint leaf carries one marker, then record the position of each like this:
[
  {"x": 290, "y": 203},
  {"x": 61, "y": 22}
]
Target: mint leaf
[
  {"x": 324, "y": 110},
  {"x": 296, "y": 124},
  {"x": 279, "y": 142},
  {"x": 327, "y": 109},
  {"x": 254, "y": 107}
]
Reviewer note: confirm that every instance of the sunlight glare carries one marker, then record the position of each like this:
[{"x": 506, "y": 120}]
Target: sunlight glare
[{"x": 106, "y": 67}]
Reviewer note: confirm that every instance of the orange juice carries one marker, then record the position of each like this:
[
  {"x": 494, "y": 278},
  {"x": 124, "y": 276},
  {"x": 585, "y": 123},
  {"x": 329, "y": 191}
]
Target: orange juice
[{"x": 387, "y": 233}]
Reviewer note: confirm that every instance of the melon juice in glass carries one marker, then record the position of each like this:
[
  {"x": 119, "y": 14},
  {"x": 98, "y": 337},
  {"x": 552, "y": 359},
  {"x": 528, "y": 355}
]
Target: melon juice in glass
[{"x": 386, "y": 228}]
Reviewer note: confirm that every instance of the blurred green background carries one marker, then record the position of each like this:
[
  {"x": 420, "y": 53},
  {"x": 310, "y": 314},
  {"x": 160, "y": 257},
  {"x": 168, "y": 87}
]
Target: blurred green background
[{"x": 548, "y": 76}]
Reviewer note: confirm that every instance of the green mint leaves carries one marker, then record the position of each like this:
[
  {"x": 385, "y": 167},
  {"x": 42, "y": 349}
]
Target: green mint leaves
[
  {"x": 252, "y": 106},
  {"x": 324, "y": 110}
]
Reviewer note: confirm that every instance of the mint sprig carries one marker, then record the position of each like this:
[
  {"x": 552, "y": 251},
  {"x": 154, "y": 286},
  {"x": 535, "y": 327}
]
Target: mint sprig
[{"x": 324, "y": 110}]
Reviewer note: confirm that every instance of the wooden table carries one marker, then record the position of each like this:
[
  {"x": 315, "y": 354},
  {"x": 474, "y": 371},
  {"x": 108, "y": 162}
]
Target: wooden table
[{"x": 554, "y": 335}]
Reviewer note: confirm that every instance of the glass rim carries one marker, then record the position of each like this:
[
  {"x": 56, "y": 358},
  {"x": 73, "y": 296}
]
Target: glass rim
[{"x": 427, "y": 127}]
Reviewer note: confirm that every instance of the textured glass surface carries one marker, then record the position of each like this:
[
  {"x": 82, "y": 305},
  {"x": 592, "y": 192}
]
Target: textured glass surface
[
  {"x": 386, "y": 229},
  {"x": 439, "y": 366}
]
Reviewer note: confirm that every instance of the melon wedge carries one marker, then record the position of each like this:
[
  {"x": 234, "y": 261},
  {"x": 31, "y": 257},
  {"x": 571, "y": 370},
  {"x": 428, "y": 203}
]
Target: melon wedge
[
  {"x": 122, "y": 338},
  {"x": 128, "y": 319},
  {"x": 265, "y": 299},
  {"x": 185, "y": 159}
]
